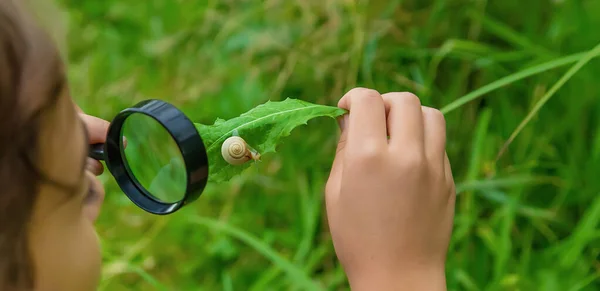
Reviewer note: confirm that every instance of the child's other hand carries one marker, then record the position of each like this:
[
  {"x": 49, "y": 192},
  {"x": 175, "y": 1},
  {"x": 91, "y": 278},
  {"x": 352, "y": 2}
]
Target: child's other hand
[
  {"x": 97, "y": 129},
  {"x": 390, "y": 202}
]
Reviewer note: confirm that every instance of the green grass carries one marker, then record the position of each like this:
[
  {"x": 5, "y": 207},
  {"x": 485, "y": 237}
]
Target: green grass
[{"x": 514, "y": 77}]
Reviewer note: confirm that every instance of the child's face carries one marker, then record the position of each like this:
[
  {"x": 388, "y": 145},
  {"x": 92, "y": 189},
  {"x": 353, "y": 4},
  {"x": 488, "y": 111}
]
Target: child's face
[{"x": 63, "y": 243}]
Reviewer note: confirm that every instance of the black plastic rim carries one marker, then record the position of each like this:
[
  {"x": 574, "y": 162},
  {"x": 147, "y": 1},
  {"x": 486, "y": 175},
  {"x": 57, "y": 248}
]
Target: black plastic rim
[{"x": 186, "y": 137}]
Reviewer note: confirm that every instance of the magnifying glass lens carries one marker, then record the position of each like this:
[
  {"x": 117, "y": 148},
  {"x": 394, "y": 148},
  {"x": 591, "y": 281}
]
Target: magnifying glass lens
[{"x": 152, "y": 157}]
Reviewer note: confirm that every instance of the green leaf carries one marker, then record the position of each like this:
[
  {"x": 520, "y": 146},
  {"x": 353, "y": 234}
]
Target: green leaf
[{"x": 262, "y": 128}]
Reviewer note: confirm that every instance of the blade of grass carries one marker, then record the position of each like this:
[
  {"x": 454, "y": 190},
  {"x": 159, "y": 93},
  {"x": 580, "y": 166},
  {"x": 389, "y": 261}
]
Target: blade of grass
[
  {"x": 582, "y": 235},
  {"x": 310, "y": 209},
  {"x": 504, "y": 245},
  {"x": 509, "y": 35},
  {"x": 476, "y": 155},
  {"x": 136, "y": 249},
  {"x": 227, "y": 282},
  {"x": 147, "y": 277},
  {"x": 295, "y": 274},
  {"x": 589, "y": 280},
  {"x": 316, "y": 257},
  {"x": 265, "y": 279},
  {"x": 523, "y": 209},
  {"x": 456, "y": 47},
  {"x": 513, "y": 78},
  {"x": 521, "y": 180},
  {"x": 595, "y": 52},
  {"x": 130, "y": 268},
  {"x": 465, "y": 280},
  {"x": 468, "y": 212}
]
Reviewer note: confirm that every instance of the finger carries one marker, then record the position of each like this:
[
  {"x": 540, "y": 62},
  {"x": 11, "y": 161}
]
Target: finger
[
  {"x": 97, "y": 128},
  {"x": 93, "y": 203},
  {"x": 366, "y": 122},
  {"x": 435, "y": 134},
  {"x": 404, "y": 120},
  {"x": 95, "y": 167},
  {"x": 335, "y": 176}
]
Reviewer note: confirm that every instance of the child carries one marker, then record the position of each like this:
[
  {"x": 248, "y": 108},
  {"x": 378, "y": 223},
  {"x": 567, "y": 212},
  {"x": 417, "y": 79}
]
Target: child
[{"x": 390, "y": 202}]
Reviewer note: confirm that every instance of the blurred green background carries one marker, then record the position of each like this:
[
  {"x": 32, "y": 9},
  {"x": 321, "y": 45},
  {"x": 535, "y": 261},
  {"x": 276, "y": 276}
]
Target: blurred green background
[{"x": 525, "y": 220}]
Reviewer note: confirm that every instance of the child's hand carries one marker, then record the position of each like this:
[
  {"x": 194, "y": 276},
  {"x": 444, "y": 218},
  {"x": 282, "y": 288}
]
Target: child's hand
[
  {"x": 97, "y": 129},
  {"x": 390, "y": 203}
]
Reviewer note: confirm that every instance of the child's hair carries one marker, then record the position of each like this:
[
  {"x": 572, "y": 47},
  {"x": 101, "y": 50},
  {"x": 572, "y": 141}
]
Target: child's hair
[{"x": 31, "y": 80}]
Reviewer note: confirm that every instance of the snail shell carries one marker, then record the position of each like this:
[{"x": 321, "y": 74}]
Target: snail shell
[{"x": 236, "y": 151}]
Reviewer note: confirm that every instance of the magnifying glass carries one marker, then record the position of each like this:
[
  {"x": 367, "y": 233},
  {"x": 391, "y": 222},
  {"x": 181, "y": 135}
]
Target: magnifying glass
[{"x": 156, "y": 156}]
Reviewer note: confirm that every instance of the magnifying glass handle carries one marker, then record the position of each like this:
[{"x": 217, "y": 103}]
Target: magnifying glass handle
[{"x": 97, "y": 151}]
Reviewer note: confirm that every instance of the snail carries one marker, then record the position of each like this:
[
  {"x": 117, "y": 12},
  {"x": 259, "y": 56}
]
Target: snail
[{"x": 236, "y": 151}]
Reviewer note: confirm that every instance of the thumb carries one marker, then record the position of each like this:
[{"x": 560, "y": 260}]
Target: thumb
[
  {"x": 335, "y": 176},
  {"x": 97, "y": 128}
]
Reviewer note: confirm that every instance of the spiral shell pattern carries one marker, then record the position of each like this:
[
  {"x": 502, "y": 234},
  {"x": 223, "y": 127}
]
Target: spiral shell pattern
[{"x": 235, "y": 151}]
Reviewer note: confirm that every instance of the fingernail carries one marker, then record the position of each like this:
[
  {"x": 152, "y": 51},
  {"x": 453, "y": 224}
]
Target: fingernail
[{"x": 95, "y": 167}]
